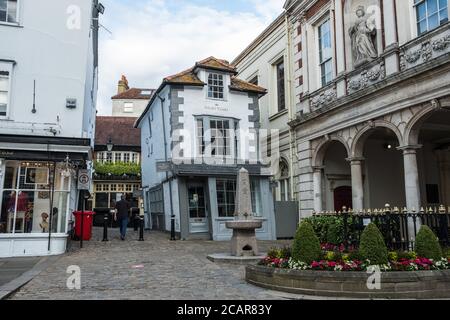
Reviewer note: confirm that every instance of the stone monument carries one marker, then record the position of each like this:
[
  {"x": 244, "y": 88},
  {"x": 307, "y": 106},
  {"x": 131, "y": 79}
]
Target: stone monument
[
  {"x": 244, "y": 248},
  {"x": 243, "y": 242}
]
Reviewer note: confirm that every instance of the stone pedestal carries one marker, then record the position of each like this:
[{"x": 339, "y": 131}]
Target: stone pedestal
[{"x": 243, "y": 242}]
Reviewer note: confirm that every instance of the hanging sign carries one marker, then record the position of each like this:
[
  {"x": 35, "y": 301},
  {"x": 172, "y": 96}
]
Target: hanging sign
[{"x": 84, "y": 179}]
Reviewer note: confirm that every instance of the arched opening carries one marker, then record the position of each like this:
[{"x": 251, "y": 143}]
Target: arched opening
[
  {"x": 284, "y": 182},
  {"x": 383, "y": 169},
  {"x": 336, "y": 179},
  {"x": 433, "y": 158}
]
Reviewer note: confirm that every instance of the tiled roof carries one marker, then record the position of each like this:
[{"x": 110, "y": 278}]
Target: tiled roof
[
  {"x": 134, "y": 94},
  {"x": 216, "y": 64},
  {"x": 185, "y": 77},
  {"x": 240, "y": 85},
  {"x": 189, "y": 76},
  {"x": 120, "y": 129}
]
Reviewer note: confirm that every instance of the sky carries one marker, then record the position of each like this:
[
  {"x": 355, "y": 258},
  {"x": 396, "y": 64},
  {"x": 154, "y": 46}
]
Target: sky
[{"x": 147, "y": 40}]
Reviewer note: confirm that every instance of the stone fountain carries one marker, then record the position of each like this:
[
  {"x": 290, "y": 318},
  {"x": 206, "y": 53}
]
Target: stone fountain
[
  {"x": 244, "y": 248},
  {"x": 243, "y": 242}
]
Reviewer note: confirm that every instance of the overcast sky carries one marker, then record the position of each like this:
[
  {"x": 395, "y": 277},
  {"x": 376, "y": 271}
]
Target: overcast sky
[{"x": 152, "y": 39}]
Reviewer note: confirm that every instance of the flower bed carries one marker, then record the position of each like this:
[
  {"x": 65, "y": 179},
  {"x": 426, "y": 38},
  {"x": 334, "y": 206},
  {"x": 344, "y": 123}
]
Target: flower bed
[
  {"x": 338, "y": 258},
  {"x": 357, "y": 265}
]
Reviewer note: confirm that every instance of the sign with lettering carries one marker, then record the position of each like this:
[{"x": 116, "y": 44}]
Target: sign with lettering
[{"x": 163, "y": 166}]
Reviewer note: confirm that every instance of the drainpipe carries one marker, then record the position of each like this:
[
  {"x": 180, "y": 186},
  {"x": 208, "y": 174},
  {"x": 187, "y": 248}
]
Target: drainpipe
[
  {"x": 172, "y": 216},
  {"x": 291, "y": 112}
]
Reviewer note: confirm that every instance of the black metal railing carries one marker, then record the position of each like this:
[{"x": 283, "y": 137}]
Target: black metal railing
[{"x": 399, "y": 227}]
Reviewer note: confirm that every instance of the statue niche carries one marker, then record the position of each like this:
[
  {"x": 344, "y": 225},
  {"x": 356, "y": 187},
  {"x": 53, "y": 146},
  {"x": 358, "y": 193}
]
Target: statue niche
[{"x": 364, "y": 38}]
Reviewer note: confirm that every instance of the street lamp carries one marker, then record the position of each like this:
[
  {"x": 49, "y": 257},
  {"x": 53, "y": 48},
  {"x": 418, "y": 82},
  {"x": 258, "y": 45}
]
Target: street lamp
[{"x": 109, "y": 145}]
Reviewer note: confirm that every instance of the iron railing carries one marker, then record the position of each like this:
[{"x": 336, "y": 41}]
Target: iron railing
[{"x": 398, "y": 226}]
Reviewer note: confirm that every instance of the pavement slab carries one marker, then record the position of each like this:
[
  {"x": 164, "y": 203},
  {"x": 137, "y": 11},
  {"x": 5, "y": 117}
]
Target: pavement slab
[{"x": 154, "y": 269}]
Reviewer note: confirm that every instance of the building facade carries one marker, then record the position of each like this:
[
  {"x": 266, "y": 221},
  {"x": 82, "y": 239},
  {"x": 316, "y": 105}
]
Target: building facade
[
  {"x": 373, "y": 103},
  {"x": 130, "y": 102},
  {"x": 267, "y": 62},
  {"x": 48, "y": 87},
  {"x": 198, "y": 130},
  {"x": 117, "y": 166}
]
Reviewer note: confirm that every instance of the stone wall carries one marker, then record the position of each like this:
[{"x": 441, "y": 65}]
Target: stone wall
[{"x": 394, "y": 285}]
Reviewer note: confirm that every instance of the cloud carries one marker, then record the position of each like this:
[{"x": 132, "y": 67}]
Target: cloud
[{"x": 155, "y": 38}]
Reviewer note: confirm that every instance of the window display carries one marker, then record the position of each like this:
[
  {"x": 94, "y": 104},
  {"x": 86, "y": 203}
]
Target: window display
[{"x": 27, "y": 199}]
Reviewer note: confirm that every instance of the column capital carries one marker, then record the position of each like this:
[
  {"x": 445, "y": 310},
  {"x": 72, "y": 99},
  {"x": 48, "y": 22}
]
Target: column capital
[
  {"x": 318, "y": 168},
  {"x": 410, "y": 149},
  {"x": 355, "y": 160}
]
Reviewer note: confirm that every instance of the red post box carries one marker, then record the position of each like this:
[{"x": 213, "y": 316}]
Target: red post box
[{"x": 86, "y": 224}]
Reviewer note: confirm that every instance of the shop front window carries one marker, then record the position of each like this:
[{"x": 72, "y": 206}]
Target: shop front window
[{"x": 27, "y": 203}]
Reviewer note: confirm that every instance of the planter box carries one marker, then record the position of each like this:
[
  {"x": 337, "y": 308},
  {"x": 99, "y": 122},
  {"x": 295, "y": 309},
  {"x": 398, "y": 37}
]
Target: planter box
[{"x": 394, "y": 285}]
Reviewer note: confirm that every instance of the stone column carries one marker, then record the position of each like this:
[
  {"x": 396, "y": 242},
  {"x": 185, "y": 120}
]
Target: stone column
[
  {"x": 412, "y": 186},
  {"x": 390, "y": 37},
  {"x": 357, "y": 183},
  {"x": 317, "y": 183}
]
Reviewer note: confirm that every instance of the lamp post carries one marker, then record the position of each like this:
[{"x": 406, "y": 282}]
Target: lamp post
[{"x": 109, "y": 145}]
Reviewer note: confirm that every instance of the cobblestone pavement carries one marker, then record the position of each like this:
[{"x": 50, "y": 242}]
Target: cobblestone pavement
[{"x": 154, "y": 269}]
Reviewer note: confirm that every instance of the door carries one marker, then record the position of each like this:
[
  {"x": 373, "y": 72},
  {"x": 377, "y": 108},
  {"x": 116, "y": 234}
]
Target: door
[
  {"x": 198, "y": 215},
  {"x": 343, "y": 198}
]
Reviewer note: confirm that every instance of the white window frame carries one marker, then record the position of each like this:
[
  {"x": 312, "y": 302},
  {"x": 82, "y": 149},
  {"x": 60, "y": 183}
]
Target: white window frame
[
  {"x": 321, "y": 22},
  {"x": 233, "y": 139},
  {"x": 17, "y": 23},
  {"x": 416, "y": 17},
  {"x": 224, "y": 81},
  {"x": 126, "y": 107},
  {"x": 7, "y": 67}
]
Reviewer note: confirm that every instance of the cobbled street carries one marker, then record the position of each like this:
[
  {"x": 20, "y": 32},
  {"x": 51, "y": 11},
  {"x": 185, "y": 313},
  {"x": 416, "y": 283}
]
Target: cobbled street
[{"x": 154, "y": 269}]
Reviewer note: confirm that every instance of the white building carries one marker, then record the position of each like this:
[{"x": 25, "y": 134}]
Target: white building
[
  {"x": 130, "y": 102},
  {"x": 48, "y": 88},
  {"x": 202, "y": 124},
  {"x": 267, "y": 62},
  {"x": 373, "y": 100}
]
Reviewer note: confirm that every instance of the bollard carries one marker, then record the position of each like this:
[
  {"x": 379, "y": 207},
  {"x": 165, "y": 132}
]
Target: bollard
[
  {"x": 172, "y": 228},
  {"x": 141, "y": 228},
  {"x": 136, "y": 222},
  {"x": 105, "y": 227}
]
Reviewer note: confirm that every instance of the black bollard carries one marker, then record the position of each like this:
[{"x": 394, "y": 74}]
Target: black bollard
[
  {"x": 105, "y": 227},
  {"x": 135, "y": 222},
  {"x": 141, "y": 228},
  {"x": 172, "y": 228}
]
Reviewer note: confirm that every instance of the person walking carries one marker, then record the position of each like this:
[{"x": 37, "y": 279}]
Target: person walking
[{"x": 122, "y": 215}]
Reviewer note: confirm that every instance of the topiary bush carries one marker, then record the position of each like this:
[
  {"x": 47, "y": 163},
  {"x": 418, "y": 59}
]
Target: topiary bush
[
  {"x": 427, "y": 244},
  {"x": 372, "y": 246},
  {"x": 306, "y": 247}
]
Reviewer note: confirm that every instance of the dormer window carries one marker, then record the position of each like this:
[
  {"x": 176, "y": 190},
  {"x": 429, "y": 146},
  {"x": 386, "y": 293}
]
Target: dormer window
[{"x": 215, "y": 86}]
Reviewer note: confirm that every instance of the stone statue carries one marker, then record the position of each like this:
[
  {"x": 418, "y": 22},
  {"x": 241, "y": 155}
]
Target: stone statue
[{"x": 363, "y": 35}]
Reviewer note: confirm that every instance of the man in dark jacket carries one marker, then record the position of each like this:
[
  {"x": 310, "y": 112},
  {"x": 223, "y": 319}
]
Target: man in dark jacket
[{"x": 122, "y": 215}]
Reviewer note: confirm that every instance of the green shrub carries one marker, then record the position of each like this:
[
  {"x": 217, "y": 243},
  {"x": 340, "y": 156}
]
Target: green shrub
[
  {"x": 306, "y": 246},
  {"x": 427, "y": 244},
  {"x": 446, "y": 252},
  {"x": 118, "y": 168},
  {"x": 410, "y": 255},
  {"x": 285, "y": 252},
  {"x": 272, "y": 253},
  {"x": 372, "y": 246},
  {"x": 393, "y": 256},
  {"x": 279, "y": 253},
  {"x": 355, "y": 255},
  {"x": 335, "y": 232}
]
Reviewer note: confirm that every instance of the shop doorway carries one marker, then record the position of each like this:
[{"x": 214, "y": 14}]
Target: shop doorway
[{"x": 198, "y": 212}]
